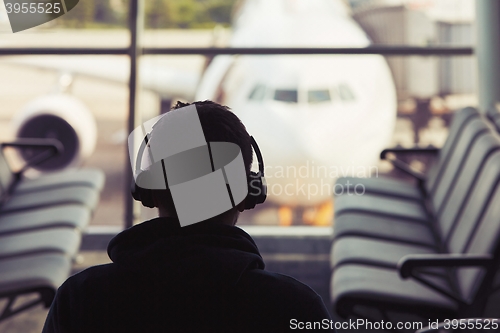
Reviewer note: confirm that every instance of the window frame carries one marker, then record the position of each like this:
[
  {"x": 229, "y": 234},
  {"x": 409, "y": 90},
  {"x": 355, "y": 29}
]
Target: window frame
[{"x": 134, "y": 51}]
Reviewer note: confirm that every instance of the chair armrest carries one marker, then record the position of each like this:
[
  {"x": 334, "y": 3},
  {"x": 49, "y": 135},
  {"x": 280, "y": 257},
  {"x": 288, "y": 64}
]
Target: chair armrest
[
  {"x": 413, "y": 150},
  {"x": 56, "y": 145},
  {"x": 407, "y": 169},
  {"x": 410, "y": 262},
  {"x": 55, "y": 148},
  {"x": 403, "y": 166}
]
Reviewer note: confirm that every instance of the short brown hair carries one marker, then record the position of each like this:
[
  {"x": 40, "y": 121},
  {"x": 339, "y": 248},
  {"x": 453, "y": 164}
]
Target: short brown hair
[{"x": 220, "y": 124}]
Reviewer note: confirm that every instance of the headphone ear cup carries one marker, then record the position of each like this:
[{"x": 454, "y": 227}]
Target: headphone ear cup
[
  {"x": 257, "y": 190},
  {"x": 145, "y": 196},
  {"x": 135, "y": 191}
]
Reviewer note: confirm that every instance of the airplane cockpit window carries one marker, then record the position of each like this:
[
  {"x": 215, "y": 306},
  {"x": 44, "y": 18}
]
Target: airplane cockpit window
[
  {"x": 318, "y": 96},
  {"x": 346, "y": 93},
  {"x": 286, "y": 95},
  {"x": 257, "y": 93}
]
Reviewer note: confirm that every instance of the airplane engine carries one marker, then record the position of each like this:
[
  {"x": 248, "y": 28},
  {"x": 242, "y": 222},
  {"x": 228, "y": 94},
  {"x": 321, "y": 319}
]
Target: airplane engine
[{"x": 61, "y": 117}]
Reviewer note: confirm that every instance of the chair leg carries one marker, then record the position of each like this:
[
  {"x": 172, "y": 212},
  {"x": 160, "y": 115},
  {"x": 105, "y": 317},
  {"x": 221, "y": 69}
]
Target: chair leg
[{"x": 9, "y": 310}]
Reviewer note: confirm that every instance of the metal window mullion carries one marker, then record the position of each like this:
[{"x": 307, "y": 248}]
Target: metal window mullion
[
  {"x": 380, "y": 50},
  {"x": 135, "y": 51}
]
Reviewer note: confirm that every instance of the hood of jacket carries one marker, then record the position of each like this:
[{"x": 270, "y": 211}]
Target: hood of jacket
[{"x": 160, "y": 246}]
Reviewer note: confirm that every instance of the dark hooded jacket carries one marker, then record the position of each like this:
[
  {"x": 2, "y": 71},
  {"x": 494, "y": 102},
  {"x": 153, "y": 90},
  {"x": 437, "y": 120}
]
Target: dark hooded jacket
[{"x": 199, "y": 278}]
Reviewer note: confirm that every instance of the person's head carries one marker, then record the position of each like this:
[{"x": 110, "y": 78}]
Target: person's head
[{"x": 219, "y": 124}]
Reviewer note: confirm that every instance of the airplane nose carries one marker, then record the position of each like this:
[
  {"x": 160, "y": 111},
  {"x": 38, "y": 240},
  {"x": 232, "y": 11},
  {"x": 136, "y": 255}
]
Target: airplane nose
[{"x": 279, "y": 134}]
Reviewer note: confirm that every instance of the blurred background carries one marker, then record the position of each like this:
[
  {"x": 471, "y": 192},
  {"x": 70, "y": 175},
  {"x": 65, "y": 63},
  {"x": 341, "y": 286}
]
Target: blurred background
[
  {"x": 427, "y": 88},
  {"x": 323, "y": 115}
]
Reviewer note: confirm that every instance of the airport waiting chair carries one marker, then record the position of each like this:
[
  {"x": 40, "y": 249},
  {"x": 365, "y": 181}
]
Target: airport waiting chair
[
  {"x": 452, "y": 283},
  {"x": 494, "y": 116},
  {"x": 39, "y": 274},
  {"x": 423, "y": 238},
  {"x": 60, "y": 240},
  {"x": 496, "y": 123},
  {"x": 65, "y": 216},
  {"x": 46, "y": 230},
  {"x": 385, "y": 186},
  {"x": 90, "y": 177},
  {"x": 492, "y": 113},
  {"x": 41, "y": 221},
  {"x": 82, "y": 195},
  {"x": 411, "y": 210},
  {"x": 44, "y": 220},
  {"x": 445, "y": 205},
  {"x": 72, "y": 187},
  {"x": 35, "y": 258}
]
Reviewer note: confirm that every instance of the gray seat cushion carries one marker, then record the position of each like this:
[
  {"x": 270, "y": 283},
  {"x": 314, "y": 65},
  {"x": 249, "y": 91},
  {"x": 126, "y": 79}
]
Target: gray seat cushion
[
  {"x": 381, "y": 206},
  {"x": 54, "y": 240},
  {"x": 93, "y": 178},
  {"x": 362, "y": 285},
  {"x": 365, "y": 251},
  {"x": 384, "y": 228},
  {"x": 381, "y": 186},
  {"x": 469, "y": 143},
  {"x": 37, "y": 272},
  {"x": 82, "y": 195},
  {"x": 362, "y": 224},
  {"x": 74, "y": 216},
  {"x": 390, "y": 206}
]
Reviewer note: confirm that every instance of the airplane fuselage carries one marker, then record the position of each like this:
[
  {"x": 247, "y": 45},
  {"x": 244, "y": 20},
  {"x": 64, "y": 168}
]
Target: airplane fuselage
[{"x": 316, "y": 117}]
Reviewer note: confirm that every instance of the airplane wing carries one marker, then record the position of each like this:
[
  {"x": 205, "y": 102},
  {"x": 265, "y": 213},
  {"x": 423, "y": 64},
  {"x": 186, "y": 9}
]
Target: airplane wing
[{"x": 157, "y": 76}]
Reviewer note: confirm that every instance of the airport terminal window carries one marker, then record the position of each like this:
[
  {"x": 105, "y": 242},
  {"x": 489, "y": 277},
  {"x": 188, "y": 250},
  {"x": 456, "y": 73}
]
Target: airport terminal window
[
  {"x": 346, "y": 93},
  {"x": 286, "y": 95},
  {"x": 258, "y": 93},
  {"x": 318, "y": 96}
]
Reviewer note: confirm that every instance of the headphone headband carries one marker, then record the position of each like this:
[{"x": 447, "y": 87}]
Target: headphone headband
[{"x": 260, "y": 160}]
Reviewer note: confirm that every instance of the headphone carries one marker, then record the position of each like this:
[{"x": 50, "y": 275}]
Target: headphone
[{"x": 256, "y": 182}]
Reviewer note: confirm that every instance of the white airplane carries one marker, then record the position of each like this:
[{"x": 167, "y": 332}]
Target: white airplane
[{"x": 315, "y": 117}]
